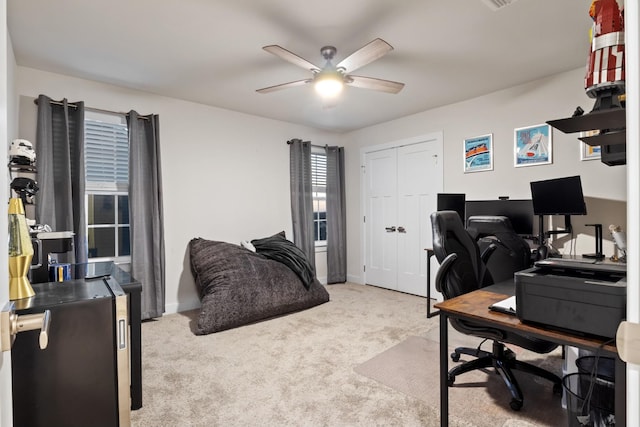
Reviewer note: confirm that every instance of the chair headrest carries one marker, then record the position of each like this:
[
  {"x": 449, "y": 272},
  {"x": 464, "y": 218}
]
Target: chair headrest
[
  {"x": 448, "y": 225},
  {"x": 490, "y": 224},
  {"x": 466, "y": 272}
]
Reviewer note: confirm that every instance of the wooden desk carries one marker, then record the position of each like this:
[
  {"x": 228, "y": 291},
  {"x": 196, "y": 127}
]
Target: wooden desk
[{"x": 474, "y": 306}]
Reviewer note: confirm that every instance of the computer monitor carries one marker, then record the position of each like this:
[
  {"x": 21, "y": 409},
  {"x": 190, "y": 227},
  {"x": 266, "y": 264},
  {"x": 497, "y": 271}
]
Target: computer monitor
[
  {"x": 452, "y": 202},
  {"x": 519, "y": 212},
  {"x": 559, "y": 196}
]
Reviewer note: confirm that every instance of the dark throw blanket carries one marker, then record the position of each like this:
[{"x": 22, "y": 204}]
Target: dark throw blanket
[{"x": 278, "y": 248}]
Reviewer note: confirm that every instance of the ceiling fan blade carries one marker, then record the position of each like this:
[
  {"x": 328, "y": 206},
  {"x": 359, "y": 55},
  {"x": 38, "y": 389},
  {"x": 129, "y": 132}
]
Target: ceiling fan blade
[
  {"x": 283, "y": 86},
  {"x": 375, "y": 84},
  {"x": 290, "y": 57},
  {"x": 363, "y": 56}
]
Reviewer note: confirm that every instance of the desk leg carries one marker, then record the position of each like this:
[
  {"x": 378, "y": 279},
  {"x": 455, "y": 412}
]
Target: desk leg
[
  {"x": 444, "y": 370},
  {"x": 621, "y": 393}
]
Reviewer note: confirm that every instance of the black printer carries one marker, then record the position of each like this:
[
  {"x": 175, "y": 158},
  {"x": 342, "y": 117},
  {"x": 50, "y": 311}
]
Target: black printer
[{"x": 579, "y": 295}]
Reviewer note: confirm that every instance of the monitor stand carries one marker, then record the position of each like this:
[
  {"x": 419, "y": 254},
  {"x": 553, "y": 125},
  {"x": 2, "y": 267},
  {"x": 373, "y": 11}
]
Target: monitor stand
[{"x": 546, "y": 250}]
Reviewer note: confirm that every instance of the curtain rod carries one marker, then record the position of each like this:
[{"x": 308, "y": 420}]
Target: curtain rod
[
  {"x": 99, "y": 110},
  {"x": 313, "y": 145}
]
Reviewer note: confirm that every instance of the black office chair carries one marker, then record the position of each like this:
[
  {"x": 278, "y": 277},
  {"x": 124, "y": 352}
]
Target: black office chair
[
  {"x": 512, "y": 252},
  {"x": 462, "y": 270}
]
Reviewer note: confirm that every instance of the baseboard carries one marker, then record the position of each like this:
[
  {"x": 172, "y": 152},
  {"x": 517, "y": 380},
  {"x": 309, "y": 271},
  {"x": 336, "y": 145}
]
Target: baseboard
[
  {"x": 355, "y": 279},
  {"x": 182, "y": 306}
]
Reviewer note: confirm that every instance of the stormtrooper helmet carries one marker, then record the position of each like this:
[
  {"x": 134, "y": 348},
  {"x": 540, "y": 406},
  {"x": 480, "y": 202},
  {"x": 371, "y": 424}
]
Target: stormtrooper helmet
[{"x": 21, "y": 152}]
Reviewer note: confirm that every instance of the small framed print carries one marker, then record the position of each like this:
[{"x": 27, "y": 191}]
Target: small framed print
[
  {"x": 532, "y": 145},
  {"x": 478, "y": 153},
  {"x": 589, "y": 152}
]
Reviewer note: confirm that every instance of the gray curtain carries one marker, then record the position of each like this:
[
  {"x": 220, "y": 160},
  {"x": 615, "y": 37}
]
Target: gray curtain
[
  {"x": 145, "y": 212},
  {"x": 336, "y": 217},
  {"x": 302, "y": 197},
  {"x": 60, "y": 203}
]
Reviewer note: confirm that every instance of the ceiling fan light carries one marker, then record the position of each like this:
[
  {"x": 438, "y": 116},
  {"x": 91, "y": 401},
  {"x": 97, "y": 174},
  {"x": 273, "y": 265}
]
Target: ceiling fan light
[{"x": 328, "y": 86}]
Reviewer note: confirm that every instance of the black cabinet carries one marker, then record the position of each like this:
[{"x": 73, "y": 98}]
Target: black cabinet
[
  {"x": 82, "y": 377},
  {"x": 76, "y": 373},
  {"x": 133, "y": 290}
]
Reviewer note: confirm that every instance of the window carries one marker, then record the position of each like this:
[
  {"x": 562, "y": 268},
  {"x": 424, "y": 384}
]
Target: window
[
  {"x": 319, "y": 189},
  {"x": 107, "y": 186}
]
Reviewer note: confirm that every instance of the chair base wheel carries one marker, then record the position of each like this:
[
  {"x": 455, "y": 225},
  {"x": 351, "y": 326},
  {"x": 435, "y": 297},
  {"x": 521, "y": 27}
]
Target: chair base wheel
[
  {"x": 455, "y": 357},
  {"x": 450, "y": 380},
  {"x": 515, "y": 404},
  {"x": 557, "y": 389}
]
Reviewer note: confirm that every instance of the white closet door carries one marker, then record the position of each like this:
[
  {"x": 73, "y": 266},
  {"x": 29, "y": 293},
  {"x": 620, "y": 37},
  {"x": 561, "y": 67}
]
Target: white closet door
[
  {"x": 381, "y": 218},
  {"x": 401, "y": 187},
  {"x": 419, "y": 181}
]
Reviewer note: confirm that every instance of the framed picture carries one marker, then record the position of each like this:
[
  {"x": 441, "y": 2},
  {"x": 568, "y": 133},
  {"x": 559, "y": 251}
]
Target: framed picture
[
  {"x": 478, "y": 153},
  {"x": 532, "y": 145},
  {"x": 589, "y": 152}
]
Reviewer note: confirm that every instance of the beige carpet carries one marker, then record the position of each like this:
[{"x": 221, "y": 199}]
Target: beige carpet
[
  {"x": 406, "y": 367},
  {"x": 300, "y": 369}
]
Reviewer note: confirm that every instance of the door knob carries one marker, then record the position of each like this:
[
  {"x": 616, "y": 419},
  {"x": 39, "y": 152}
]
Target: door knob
[
  {"x": 390, "y": 229},
  {"x": 401, "y": 230},
  {"x": 11, "y": 324},
  {"x": 628, "y": 342}
]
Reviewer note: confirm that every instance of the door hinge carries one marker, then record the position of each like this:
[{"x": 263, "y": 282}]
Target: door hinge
[
  {"x": 364, "y": 219},
  {"x": 364, "y": 268}
]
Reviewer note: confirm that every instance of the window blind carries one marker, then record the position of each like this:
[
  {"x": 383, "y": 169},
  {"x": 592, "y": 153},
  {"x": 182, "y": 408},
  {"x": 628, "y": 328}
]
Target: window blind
[
  {"x": 106, "y": 153},
  {"x": 318, "y": 171}
]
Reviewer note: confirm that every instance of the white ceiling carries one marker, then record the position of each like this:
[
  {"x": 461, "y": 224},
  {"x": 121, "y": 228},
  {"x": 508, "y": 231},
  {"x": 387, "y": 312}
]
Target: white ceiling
[{"x": 210, "y": 51}]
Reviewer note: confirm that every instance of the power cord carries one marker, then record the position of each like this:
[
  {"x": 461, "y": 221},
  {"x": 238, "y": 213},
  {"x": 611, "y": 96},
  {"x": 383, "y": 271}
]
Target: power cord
[{"x": 585, "y": 419}]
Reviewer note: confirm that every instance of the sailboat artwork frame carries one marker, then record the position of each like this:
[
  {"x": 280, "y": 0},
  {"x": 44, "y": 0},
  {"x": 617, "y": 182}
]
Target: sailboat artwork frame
[{"x": 532, "y": 145}]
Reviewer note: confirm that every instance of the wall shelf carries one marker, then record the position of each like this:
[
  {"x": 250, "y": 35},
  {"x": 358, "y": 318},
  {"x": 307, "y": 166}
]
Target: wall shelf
[
  {"x": 22, "y": 168},
  {"x": 611, "y": 122},
  {"x": 609, "y": 138},
  {"x": 612, "y": 118}
]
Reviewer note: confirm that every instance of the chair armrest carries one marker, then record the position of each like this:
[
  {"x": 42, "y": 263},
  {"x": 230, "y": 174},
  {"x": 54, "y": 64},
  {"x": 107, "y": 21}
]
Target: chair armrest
[
  {"x": 445, "y": 265},
  {"x": 486, "y": 254}
]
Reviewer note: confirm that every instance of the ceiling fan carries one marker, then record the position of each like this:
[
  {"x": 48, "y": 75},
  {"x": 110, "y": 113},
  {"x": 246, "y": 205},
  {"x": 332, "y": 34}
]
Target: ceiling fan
[{"x": 330, "y": 79}]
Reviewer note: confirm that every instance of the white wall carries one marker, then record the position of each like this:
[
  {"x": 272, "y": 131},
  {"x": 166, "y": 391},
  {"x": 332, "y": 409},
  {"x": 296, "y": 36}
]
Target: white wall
[
  {"x": 499, "y": 113},
  {"x": 225, "y": 174}
]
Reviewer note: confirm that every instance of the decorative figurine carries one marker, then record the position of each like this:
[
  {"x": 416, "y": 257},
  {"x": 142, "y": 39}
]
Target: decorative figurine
[{"x": 605, "y": 67}]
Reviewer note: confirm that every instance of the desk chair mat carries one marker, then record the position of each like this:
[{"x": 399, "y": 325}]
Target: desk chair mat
[{"x": 479, "y": 397}]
